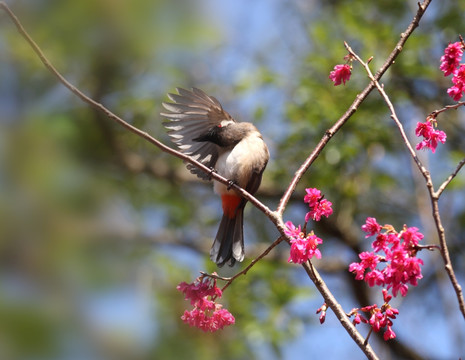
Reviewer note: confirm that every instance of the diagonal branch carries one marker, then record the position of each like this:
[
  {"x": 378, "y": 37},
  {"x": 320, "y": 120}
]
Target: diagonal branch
[
  {"x": 357, "y": 102},
  {"x": 114, "y": 117},
  {"x": 331, "y": 301},
  {"x": 434, "y": 196},
  {"x": 275, "y": 217}
]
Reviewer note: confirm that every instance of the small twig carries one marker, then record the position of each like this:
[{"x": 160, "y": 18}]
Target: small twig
[
  {"x": 449, "y": 179},
  {"x": 214, "y": 276},
  {"x": 434, "y": 196},
  {"x": 435, "y": 113},
  {"x": 254, "y": 261},
  {"x": 427, "y": 247},
  {"x": 122, "y": 122},
  {"x": 353, "y": 108},
  {"x": 392, "y": 110},
  {"x": 275, "y": 217},
  {"x": 229, "y": 280},
  {"x": 368, "y": 335}
]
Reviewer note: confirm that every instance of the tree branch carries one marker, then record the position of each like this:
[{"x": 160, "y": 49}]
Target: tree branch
[
  {"x": 275, "y": 217},
  {"x": 435, "y": 113},
  {"x": 122, "y": 122},
  {"x": 331, "y": 301},
  {"x": 434, "y": 196},
  {"x": 449, "y": 179},
  {"x": 353, "y": 108}
]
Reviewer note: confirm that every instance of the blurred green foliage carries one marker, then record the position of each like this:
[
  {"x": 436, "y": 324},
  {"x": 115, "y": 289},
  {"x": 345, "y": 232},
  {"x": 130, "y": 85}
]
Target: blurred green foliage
[{"x": 97, "y": 227}]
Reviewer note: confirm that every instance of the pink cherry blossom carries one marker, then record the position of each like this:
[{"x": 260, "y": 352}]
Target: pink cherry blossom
[
  {"x": 431, "y": 136},
  {"x": 389, "y": 334},
  {"x": 411, "y": 236},
  {"x": 455, "y": 92},
  {"x": 377, "y": 317},
  {"x": 377, "y": 320},
  {"x": 312, "y": 197},
  {"x": 424, "y": 129},
  {"x": 458, "y": 79},
  {"x": 451, "y": 58},
  {"x": 206, "y": 315},
  {"x": 304, "y": 246},
  {"x": 380, "y": 242},
  {"x": 198, "y": 291},
  {"x": 217, "y": 320},
  {"x": 401, "y": 265},
  {"x": 322, "y": 208},
  {"x": 450, "y": 65},
  {"x": 374, "y": 277},
  {"x": 386, "y": 296},
  {"x": 340, "y": 74},
  {"x": 303, "y": 249},
  {"x": 292, "y": 231},
  {"x": 357, "y": 319},
  {"x": 371, "y": 227},
  {"x": 369, "y": 260},
  {"x": 318, "y": 206},
  {"x": 358, "y": 269}
]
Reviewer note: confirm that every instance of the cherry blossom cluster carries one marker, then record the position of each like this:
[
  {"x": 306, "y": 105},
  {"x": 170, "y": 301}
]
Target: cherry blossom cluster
[
  {"x": 401, "y": 266},
  {"x": 318, "y": 205},
  {"x": 206, "y": 315},
  {"x": 304, "y": 245},
  {"x": 377, "y": 317},
  {"x": 431, "y": 136},
  {"x": 450, "y": 65}
]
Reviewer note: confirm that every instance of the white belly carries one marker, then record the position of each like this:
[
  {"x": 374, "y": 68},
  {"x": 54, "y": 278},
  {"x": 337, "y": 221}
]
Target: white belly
[{"x": 239, "y": 163}]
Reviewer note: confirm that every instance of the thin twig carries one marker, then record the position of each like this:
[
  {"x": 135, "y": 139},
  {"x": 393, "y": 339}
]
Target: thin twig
[
  {"x": 314, "y": 276},
  {"x": 449, "y": 179},
  {"x": 368, "y": 335},
  {"x": 355, "y": 105},
  {"x": 434, "y": 196},
  {"x": 229, "y": 280},
  {"x": 122, "y": 122},
  {"x": 276, "y": 217},
  {"x": 393, "y": 114},
  {"x": 427, "y": 247},
  {"x": 435, "y": 113}
]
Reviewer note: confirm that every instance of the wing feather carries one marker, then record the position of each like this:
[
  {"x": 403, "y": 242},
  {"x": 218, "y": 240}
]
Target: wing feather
[{"x": 192, "y": 113}]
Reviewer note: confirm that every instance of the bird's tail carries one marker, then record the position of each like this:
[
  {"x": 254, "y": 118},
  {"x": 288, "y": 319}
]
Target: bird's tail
[{"x": 228, "y": 246}]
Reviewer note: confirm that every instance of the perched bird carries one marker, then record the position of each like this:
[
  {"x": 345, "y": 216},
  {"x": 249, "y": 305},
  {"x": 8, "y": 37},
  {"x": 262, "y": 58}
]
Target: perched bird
[{"x": 235, "y": 150}]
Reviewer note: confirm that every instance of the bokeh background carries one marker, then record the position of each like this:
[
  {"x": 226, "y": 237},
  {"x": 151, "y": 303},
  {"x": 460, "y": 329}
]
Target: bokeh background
[{"x": 97, "y": 227}]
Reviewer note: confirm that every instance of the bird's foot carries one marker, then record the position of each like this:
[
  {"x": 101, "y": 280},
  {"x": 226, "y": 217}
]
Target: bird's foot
[
  {"x": 230, "y": 184},
  {"x": 210, "y": 174}
]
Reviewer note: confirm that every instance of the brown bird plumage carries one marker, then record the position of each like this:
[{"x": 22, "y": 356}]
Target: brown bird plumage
[{"x": 202, "y": 129}]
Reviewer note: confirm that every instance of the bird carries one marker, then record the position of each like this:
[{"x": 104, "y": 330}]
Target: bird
[{"x": 202, "y": 129}]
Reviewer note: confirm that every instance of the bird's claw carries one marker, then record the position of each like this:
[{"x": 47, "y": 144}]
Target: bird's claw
[
  {"x": 230, "y": 184},
  {"x": 212, "y": 170}
]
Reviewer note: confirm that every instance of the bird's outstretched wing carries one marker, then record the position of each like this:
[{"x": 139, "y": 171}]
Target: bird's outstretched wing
[{"x": 192, "y": 113}]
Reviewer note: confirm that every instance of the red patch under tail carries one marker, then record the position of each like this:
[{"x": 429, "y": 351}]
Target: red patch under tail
[{"x": 230, "y": 204}]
